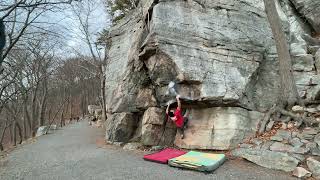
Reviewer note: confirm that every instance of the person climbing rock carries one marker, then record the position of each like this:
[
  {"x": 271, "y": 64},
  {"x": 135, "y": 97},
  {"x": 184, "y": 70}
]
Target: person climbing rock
[{"x": 176, "y": 116}]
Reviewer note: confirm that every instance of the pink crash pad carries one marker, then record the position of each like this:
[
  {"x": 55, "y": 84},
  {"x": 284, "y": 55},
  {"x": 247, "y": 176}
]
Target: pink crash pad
[{"x": 164, "y": 155}]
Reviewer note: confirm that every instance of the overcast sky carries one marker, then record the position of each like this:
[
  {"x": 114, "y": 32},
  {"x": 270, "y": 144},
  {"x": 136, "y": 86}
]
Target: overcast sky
[{"x": 69, "y": 27}]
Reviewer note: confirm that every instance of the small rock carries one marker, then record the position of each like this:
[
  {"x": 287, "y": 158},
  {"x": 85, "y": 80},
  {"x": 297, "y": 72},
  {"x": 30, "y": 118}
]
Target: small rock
[
  {"x": 290, "y": 125},
  {"x": 294, "y": 134},
  {"x": 317, "y": 139},
  {"x": 280, "y": 147},
  {"x": 298, "y": 109},
  {"x": 308, "y": 134},
  {"x": 266, "y": 145},
  {"x": 284, "y": 126},
  {"x": 41, "y": 131},
  {"x": 314, "y": 167},
  {"x": 295, "y": 142},
  {"x": 314, "y": 148},
  {"x": 281, "y": 135},
  {"x": 276, "y": 138},
  {"x": 301, "y": 172},
  {"x": 270, "y": 125},
  {"x": 156, "y": 148},
  {"x": 246, "y": 145},
  {"x": 132, "y": 146},
  {"x": 312, "y": 110},
  {"x": 297, "y": 156},
  {"x": 277, "y": 146},
  {"x": 257, "y": 141}
]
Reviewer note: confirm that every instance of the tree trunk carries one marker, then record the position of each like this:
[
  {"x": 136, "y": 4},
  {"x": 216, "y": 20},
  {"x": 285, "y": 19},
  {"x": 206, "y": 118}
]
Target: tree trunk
[
  {"x": 14, "y": 133},
  {"x": 19, "y": 132},
  {"x": 288, "y": 90},
  {"x": 2, "y": 136},
  {"x": 102, "y": 92}
]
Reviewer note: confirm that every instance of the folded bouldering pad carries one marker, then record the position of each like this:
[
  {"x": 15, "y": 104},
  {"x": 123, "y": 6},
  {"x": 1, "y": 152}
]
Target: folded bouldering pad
[
  {"x": 198, "y": 161},
  {"x": 164, "y": 155}
]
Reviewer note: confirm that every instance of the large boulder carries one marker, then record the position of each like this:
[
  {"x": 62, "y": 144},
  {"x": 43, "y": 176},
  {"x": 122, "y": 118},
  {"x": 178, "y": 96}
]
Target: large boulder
[
  {"x": 222, "y": 56},
  {"x": 120, "y": 127},
  {"x": 268, "y": 159},
  {"x": 218, "y": 128},
  {"x": 153, "y": 131}
]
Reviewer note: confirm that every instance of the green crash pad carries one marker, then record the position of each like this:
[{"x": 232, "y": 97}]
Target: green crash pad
[{"x": 205, "y": 162}]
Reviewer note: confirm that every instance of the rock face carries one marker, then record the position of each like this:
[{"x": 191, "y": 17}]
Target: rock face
[
  {"x": 310, "y": 9},
  {"x": 268, "y": 159},
  {"x": 218, "y": 128},
  {"x": 153, "y": 132},
  {"x": 221, "y": 55},
  {"x": 120, "y": 127}
]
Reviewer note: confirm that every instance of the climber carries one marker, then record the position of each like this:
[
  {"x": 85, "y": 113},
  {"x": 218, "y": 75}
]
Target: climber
[{"x": 176, "y": 116}]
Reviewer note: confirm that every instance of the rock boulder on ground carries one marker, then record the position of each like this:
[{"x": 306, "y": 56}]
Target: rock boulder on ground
[
  {"x": 120, "y": 127},
  {"x": 42, "y": 130},
  {"x": 268, "y": 159}
]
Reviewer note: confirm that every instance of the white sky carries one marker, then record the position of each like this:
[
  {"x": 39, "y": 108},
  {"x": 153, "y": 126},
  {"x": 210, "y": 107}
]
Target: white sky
[{"x": 69, "y": 27}]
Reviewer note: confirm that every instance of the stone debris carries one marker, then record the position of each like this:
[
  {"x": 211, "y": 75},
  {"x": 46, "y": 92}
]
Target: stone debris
[
  {"x": 300, "y": 172},
  {"x": 314, "y": 167}
]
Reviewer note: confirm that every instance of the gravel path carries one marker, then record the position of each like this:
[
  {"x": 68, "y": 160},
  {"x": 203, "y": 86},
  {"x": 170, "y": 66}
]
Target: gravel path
[{"x": 74, "y": 153}]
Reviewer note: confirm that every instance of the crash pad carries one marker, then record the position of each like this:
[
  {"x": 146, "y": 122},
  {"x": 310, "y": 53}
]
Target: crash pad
[
  {"x": 164, "y": 155},
  {"x": 199, "y": 161}
]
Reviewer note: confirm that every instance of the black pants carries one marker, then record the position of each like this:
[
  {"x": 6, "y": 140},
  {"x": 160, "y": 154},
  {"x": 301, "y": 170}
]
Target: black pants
[{"x": 184, "y": 126}]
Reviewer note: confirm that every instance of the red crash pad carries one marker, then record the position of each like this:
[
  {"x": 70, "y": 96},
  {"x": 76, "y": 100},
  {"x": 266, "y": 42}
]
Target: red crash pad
[{"x": 164, "y": 155}]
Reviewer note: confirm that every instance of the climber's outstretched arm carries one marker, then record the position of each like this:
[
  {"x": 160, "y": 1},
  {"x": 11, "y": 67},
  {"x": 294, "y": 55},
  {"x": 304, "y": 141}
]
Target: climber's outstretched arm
[{"x": 178, "y": 101}]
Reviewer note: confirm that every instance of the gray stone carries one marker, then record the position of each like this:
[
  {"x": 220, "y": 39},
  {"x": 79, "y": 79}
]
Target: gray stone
[
  {"x": 268, "y": 159},
  {"x": 303, "y": 62},
  {"x": 308, "y": 134},
  {"x": 300, "y": 172},
  {"x": 220, "y": 53},
  {"x": 314, "y": 167},
  {"x": 152, "y": 130},
  {"x": 156, "y": 148},
  {"x": 218, "y": 128},
  {"x": 42, "y": 130},
  {"x": 257, "y": 142},
  {"x": 276, "y": 138},
  {"x": 314, "y": 148},
  {"x": 246, "y": 145},
  {"x": 280, "y": 147},
  {"x": 298, "y": 49},
  {"x": 300, "y": 157},
  {"x": 120, "y": 127},
  {"x": 295, "y": 142},
  {"x": 310, "y": 9},
  {"x": 281, "y": 135},
  {"x": 317, "y": 139},
  {"x": 132, "y": 146},
  {"x": 266, "y": 145},
  {"x": 270, "y": 125}
]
